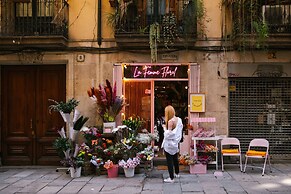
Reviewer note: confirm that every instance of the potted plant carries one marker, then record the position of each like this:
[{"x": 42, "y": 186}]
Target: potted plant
[
  {"x": 109, "y": 104},
  {"x": 64, "y": 108},
  {"x": 62, "y": 144},
  {"x": 75, "y": 165}
]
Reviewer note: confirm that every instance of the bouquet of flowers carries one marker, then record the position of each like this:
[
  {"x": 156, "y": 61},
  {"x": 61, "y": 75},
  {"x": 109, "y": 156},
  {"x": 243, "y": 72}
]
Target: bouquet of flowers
[
  {"x": 147, "y": 138},
  {"x": 201, "y": 146},
  {"x": 108, "y": 102},
  {"x": 108, "y": 164},
  {"x": 96, "y": 161},
  {"x": 130, "y": 163},
  {"x": 186, "y": 159},
  {"x": 147, "y": 154},
  {"x": 85, "y": 152}
]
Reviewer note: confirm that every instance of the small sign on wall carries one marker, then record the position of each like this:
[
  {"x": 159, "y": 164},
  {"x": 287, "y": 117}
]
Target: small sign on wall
[{"x": 197, "y": 102}]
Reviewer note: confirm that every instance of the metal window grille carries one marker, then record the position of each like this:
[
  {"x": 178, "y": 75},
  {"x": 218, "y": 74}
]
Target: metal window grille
[{"x": 261, "y": 108}]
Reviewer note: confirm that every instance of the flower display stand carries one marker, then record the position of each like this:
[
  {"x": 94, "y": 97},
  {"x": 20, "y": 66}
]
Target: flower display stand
[
  {"x": 129, "y": 172},
  {"x": 198, "y": 169},
  {"x": 113, "y": 171},
  {"x": 75, "y": 172}
]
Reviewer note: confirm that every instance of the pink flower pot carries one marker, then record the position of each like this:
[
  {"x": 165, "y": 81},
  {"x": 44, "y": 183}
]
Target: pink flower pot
[
  {"x": 113, "y": 172},
  {"x": 198, "y": 169}
]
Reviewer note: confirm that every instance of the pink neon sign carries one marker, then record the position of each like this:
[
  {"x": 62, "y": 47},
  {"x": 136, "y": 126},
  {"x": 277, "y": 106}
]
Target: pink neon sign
[
  {"x": 156, "y": 71},
  {"x": 148, "y": 71}
]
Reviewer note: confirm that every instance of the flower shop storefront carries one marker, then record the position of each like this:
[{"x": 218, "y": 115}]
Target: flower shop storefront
[{"x": 149, "y": 88}]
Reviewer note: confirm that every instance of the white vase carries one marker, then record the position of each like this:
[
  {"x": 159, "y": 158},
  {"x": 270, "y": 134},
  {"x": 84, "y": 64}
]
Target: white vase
[
  {"x": 66, "y": 117},
  {"x": 108, "y": 127},
  {"x": 76, "y": 115},
  {"x": 129, "y": 172},
  {"x": 75, "y": 172}
]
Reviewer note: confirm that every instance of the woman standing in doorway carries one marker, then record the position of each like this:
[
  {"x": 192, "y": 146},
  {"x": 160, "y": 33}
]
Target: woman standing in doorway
[{"x": 172, "y": 135}]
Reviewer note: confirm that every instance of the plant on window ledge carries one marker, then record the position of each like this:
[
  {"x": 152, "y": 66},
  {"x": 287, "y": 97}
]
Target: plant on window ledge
[
  {"x": 261, "y": 31},
  {"x": 252, "y": 30}
]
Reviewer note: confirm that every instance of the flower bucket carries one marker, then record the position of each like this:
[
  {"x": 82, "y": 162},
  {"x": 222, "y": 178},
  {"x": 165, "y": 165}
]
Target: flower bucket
[
  {"x": 198, "y": 169},
  {"x": 108, "y": 127},
  {"x": 75, "y": 173},
  {"x": 113, "y": 171},
  {"x": 129, "y": 172}
]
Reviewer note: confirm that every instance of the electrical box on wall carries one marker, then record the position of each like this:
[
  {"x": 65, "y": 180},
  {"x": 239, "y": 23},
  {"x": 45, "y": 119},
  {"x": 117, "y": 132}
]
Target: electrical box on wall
[{"x": 80, "y": 58}]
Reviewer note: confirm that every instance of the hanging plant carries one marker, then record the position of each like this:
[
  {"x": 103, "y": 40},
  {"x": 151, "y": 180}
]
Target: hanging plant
[
  {"x": 154, "y": 39},
  {"x": 169, "y": 29}
]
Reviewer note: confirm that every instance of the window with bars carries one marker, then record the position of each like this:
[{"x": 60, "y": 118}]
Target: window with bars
[
  {"x": 137, "y": 16},
  {"x": 33, "y": 17},
  {"x": 276, "y": 14}
]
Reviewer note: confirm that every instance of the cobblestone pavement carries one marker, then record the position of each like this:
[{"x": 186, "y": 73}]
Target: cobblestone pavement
[{"x": 40, "y": 180}]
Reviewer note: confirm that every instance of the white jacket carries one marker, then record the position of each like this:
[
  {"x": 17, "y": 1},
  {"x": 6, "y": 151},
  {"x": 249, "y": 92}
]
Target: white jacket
[{"x": 172, "y": 138}]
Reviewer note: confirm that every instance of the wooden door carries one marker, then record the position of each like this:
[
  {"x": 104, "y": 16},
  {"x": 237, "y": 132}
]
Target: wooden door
[{"x": 28, "y": 129}]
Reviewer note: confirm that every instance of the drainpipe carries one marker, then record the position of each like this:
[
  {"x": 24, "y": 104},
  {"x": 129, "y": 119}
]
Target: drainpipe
[{"x": 99, "y": 37}]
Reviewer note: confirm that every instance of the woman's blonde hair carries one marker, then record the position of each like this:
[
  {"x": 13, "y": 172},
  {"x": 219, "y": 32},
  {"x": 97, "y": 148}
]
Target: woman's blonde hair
[{"x": 169, "y": 114}]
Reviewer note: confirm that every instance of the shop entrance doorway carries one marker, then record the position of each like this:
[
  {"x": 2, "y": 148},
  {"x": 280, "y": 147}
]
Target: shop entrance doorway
[
  {"x": 148, "y": 99},
  {"x": 173, "y": 93}
]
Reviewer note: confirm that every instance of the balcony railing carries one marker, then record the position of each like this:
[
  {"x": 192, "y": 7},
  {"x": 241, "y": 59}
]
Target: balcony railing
[
  {"x": 259, "y": 18},
  {"x": 33, "y": 18},
  {"x": 177, "y": 19}
]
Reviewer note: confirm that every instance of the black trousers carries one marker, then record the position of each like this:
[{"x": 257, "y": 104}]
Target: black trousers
[{"x": 173, "y": 164}]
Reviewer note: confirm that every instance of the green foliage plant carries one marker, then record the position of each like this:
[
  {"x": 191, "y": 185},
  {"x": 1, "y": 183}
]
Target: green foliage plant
[
  {"x": 65, "y": 107},
  {"x": 135, "y": 123},
  {"x": 62, "y": 145}
]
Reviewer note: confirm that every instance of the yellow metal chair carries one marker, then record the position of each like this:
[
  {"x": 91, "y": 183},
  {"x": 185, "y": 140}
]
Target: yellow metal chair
[
  {"x": 230, "y": 146},
  {"x": 258, "y": 149}
]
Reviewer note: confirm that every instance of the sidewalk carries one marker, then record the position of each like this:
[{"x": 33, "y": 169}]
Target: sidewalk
[{"x": 40, "y": 180}]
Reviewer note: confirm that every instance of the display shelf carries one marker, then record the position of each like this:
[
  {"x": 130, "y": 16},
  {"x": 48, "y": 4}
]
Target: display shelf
[{"x": 211, "y": 140}]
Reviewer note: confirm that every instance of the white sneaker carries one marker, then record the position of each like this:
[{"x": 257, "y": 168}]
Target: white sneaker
[
  {"x": 169, "y": 180},
  {"x": 176, "y": 175}
]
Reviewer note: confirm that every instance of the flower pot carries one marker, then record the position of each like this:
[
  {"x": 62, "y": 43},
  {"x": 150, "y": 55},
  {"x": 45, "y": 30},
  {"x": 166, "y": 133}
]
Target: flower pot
[
  {"x": 198, "y": 169},
  {"x": 113, "y": 171},
  {"x": 129, "y": 172},
  {"x": 108, "y": 127},
  {"x": 75, "y": 172}
]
